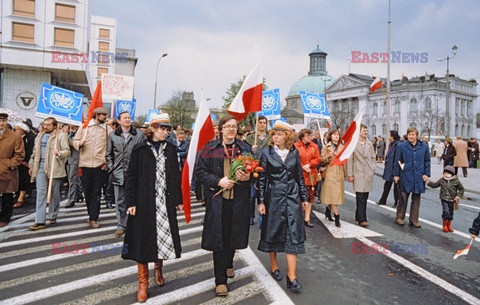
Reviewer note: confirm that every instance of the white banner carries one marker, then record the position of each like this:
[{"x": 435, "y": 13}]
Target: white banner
[{"x": 117, "y": 87}]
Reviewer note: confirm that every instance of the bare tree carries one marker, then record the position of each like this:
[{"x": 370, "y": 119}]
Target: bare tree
[
  {"x": 341, "y": 115},
  {"x": 428, "y": 118},
  {"x": 181, "y": 108}
]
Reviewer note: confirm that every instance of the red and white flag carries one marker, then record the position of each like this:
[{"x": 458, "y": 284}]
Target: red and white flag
[
  {"x": 94, "y": 103},
  {"x": 202, "y": 133},
  {"x": 350, "y": 138},
  {"x": 463, "y": 251},
  {"x": 249, "y": 97},
  {"x": 377, "y": 83}
]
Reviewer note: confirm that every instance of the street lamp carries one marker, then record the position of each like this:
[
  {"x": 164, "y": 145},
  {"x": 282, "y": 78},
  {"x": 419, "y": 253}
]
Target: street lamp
[
  {"x": 447, "y": 108},
  {"x": 156, "y": 78}
]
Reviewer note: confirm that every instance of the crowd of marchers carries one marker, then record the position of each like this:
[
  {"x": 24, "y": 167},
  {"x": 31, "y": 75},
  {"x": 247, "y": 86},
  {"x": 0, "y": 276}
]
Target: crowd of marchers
[{"x": 138, "y": 170}]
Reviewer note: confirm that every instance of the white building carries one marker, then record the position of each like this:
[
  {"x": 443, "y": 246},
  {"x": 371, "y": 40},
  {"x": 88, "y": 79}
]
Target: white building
[
  {"x": 42, "y": 41},
  {"x": 418, "y": 102}
]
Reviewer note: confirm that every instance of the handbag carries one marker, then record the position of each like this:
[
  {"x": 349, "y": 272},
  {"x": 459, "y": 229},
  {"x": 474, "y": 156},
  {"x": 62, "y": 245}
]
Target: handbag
[{"x": 456, "y": 201}]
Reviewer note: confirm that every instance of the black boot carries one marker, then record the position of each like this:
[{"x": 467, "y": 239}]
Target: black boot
[
  {"x": 294, "y": 285},
  {"x": 337, "y": 220},
  {"x": 328, "y": 214}
]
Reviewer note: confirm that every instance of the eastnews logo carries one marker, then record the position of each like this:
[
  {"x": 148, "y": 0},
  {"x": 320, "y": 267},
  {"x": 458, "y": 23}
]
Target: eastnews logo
[
  {"x": 396, "y": 57},
  {"x": 395, "y": 247},
  {"x": 96, "y": 248},
  {"x": 95, "y": 58}
]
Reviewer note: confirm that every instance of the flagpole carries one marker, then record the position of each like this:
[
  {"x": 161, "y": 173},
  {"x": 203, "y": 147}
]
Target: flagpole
[
  {"x": 52, "y": 165},
  {"x": 320, "y": 131},
  {"x": 256, "y": 128},
  {"x": 388, "y": 69}
]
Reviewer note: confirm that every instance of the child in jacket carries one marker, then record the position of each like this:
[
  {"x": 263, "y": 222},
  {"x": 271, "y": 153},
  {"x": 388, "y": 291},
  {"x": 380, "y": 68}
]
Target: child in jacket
[{"x": 451, "y": 189}]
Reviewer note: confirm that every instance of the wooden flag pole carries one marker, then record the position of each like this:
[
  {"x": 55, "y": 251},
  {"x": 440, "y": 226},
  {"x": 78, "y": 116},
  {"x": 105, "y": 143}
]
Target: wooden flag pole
[
  {"x": 52, "y": 166},
  {"x": 320, "y": 131}
]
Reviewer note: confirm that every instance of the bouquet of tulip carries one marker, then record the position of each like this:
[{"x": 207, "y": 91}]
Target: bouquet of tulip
[{"x": 245, "y": 162}]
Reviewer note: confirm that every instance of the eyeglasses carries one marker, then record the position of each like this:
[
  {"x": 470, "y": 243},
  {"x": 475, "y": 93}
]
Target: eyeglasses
[{"x": 231, "y": 127}]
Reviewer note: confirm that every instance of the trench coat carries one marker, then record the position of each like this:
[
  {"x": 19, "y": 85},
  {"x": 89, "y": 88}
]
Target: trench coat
[
  {"x": 361, "y": 166},
  {"x": 140, "y": 243},
  {"x": 282, "y": 190},
  {"x": 461, "y": 158},
  {"x": 416, "y": 162},
  {"x": 439, "y": 148},
  {"x": 389, "y": 161},
  {"x": 12, "y": 153},
  {"x": 333, "y": 188},
  {"x": 209, "y": 171}
]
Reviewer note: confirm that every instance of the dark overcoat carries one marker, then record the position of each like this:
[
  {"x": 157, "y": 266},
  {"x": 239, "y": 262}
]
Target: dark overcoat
[
  {"x": 282, "y": 190},
  {"x": 389, "y": 162},
  {"x": 209, "y": 171},
  {"x": 416, "y": 160},
  {"x": 141, "y": 233}
]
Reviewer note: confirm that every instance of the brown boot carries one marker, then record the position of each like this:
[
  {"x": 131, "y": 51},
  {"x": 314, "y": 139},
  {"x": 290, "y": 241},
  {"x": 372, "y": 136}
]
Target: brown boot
[
  {"x": 142, "y": 282},
  {"x": 158, "y": 273},
  {"x": 445, "y": 227},
  {"x": 449, "y": 226}
]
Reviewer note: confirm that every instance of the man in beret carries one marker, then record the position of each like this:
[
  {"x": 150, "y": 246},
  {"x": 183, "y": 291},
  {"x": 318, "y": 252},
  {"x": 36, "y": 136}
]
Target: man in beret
[
  {"x": 91, "y": 142},
  {"x": 12, "y": 153}
]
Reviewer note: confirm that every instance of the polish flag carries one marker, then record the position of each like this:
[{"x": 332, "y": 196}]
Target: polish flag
[
  {"x": 249, "y": 97},
  {"x": 377, "y": 83},
  {"x": 463, "y": 251},
  {"x": 94, "y": 103},
  {"x": 350, "y": 139},
  {"x": 202, "y": 133}
]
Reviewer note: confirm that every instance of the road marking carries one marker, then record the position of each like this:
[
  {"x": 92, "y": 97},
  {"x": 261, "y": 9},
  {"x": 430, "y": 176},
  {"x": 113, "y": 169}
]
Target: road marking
[
  {"x": 467, "y": 236},
  {"x": 35, "y": 296},
  {"x": 425, "y": 274},
  {"x": 469, "y": 206},
  {"x": 347, "y": 230}
]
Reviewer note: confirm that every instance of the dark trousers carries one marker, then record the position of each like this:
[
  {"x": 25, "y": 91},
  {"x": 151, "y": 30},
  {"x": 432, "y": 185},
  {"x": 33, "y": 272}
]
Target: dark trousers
[
  {"x": 464, "y": 170},
  {"x": 414, "y": 207},
  {"x": 92, "y": 180},
  {"x": 253, "y": 201},
  {"x": 108, "y": 189},
  {"x": 387, "y": 186},
  {"x": 224, "y": 259},
  {"x": 447, "y": 210},
  {"x": 361, "y": 211},
  {"x": 6, "y": 207}
]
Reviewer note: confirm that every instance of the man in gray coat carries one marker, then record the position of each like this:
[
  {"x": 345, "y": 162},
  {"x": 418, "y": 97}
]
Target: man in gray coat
[
  {"x": 119, "y": 148},
  {"x": 360, "y": 171},
  {"x": 75, "y": 192}
]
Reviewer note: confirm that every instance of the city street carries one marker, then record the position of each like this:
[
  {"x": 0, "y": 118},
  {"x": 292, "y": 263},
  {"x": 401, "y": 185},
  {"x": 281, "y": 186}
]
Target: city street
[{"x": 342, "y": 266}]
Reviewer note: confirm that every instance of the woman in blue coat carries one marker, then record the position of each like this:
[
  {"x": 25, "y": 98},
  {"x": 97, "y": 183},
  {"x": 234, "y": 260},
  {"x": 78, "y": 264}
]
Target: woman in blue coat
[
  {"x": 282, "y": 197},
  {"x": 388, "y": 171}
]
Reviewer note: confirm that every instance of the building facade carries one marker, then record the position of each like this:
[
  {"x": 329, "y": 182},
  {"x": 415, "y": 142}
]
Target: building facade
[
  {"x": 418, "y": 102},
  {"x": 42, "y": 41}
]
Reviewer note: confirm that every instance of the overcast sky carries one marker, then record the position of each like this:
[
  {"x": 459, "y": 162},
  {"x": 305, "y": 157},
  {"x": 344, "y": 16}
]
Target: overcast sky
[{"x": 212, "y": 43}]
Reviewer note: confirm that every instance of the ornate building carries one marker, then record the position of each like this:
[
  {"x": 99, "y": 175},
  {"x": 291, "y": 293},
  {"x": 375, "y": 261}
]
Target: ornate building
[
  {"x": 316, "y": 81},
  {"x": 419, "y": 102}
]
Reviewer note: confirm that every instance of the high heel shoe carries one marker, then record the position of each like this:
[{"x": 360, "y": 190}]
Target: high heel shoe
[
  {"x": 294, "y": 285},
  {"x": 337, "y": 220},
  {"x": 328, "y": 214}
]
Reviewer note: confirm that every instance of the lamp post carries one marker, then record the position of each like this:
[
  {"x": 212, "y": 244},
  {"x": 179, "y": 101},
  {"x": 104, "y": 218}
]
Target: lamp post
[
  {"x": 447, "y": 107},
  {"x": 156, "y": 78}
]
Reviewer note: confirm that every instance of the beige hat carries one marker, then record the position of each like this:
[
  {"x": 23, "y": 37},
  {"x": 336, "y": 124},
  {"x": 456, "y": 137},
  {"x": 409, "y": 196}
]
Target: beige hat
[
  {"x": 23, "y": 126},
  {"x": 162, "y": 119},
  {"x": 283, "y": 126},
  {"x": 100, "y": 110}
]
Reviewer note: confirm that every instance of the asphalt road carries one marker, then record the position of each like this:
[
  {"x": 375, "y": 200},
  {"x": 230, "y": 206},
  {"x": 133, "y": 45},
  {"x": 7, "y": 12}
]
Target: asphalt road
[{"x": 334, "y": 271}]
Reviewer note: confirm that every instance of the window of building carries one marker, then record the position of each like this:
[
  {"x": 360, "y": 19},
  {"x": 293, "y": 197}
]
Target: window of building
[
  {"x": 373, "y": 128},
  {"x": 101, "y": 71},
  {"x": 412, "y": 124},
  {"x": 385, "y": 107},
  {"x": 104, "y": 59},
  {"x": 104, "y": 33},
  {"x": 375, "y": 109},
  {"x": 428, "y": 103},
  {"x": 23, "y": 32},
  {"x": 397, "y": 106},
  {"x": 64, "y": 38},
  {"x": 64, "y": 13},
  {"x": 24, "y": 8},
  {"x": 384, "y": 129},
  {"x": 413, "y": 105},
  {"x": 103, "y": 46},
  {"x": 395, "y": 126}
]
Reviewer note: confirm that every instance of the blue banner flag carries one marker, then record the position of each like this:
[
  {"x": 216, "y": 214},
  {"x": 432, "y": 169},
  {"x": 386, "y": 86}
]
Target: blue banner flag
[
  {"x": 314, "y": 105},
  {"x": 122, "y": 106},
  {"x": 62, "y": 104},
  {"x": 150, "y": 112},
  {"x": 270, "y": 104},
  {"x": 213, "y": 116}
]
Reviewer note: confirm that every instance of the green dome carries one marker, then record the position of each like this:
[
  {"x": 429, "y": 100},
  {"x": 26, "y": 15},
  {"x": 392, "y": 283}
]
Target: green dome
[{"x": 311, "y": 83}]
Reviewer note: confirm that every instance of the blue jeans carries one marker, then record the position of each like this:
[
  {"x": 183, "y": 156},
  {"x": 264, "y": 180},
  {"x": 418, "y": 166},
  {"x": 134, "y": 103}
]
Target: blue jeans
[
  {"x": 120, "y": 206},
  {"x": 447, "y": 210},
  {"x": 42, "y": 188}
]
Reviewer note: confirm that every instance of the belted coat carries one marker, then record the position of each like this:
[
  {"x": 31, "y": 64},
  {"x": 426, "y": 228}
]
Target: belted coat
[
  {"x": 12, "y": 153},
  {"x": 209, "y": 171},
  {"x": 282, "y": 190}
]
